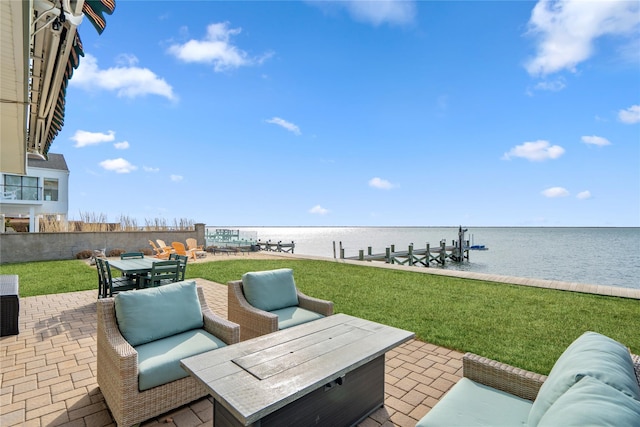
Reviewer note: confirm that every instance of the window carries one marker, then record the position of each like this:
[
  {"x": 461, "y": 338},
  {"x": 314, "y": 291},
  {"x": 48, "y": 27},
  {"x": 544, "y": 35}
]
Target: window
[
  {"x": 25, "y": 187},
  {"x": 50, "y": 189}
]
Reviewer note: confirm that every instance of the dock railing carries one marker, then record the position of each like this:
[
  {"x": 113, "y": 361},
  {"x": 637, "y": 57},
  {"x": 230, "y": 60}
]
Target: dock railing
[
  {"x": 276, "y": 247},
  {"x": 414, "y": 256}
]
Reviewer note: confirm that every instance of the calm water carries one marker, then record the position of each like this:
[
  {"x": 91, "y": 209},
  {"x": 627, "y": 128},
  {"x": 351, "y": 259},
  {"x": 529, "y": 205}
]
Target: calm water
[{"x": 603, "y": 256}]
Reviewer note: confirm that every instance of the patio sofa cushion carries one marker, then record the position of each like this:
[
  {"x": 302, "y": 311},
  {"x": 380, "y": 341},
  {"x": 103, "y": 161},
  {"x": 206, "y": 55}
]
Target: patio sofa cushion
[
  {"x": 592, "y": 402},
  {"x": 590, "y": 354},
  {"x": 159, "y": 361},
  {"x": 151, "y": 314},
  {"x": 270, "y": 290},
  {"x": 471, "y": 404},
  {"x": 292, "y": 316}
]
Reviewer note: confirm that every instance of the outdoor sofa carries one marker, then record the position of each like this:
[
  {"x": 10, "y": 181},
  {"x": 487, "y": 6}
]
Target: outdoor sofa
[
  {"x": 596, "y": 381},
  {"x": 142, "y": 336}
]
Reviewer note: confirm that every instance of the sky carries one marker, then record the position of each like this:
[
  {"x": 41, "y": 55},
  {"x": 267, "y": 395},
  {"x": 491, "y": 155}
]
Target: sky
[{"x": 358, "y": 113}]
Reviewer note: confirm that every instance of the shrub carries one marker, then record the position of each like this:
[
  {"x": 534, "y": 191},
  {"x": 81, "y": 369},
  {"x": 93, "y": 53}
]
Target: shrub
[
  {"x": 86, "y": 254},
  {"x": 116, "y": 252},
  {"x": 146, "y": 251}
]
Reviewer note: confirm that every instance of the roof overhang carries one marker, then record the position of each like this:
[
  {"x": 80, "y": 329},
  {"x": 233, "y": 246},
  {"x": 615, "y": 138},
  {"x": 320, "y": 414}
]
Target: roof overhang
[
  {"x": 14, "y": 79},
  {"x": 40, "y": 48},
  {"x": 55, "y": 50}
]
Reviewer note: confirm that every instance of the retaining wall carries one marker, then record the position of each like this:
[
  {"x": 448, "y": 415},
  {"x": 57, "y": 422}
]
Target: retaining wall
[{"x": 25, "y": 247}]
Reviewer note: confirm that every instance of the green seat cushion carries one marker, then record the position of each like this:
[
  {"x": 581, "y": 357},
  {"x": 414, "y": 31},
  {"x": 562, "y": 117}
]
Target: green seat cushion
[
  {"x": 147, "y": 315},
  {"x": 590, "y": 402},
  {"x": 590, "y": 354},
  {"x": 270, "y": 290},
  {"x": 159, "y": 361},
  {"x": 292, "y": 316},
  {"x": 471, "y": 404}
]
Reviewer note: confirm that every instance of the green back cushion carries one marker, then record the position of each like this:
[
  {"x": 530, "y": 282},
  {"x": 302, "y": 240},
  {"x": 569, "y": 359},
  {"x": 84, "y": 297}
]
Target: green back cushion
[
  {"x": 270, "y": 290},
  {"x": 150, "y": 314},
  {"x": 591, "y": 354},
  {"x": 590, "y": 402}
]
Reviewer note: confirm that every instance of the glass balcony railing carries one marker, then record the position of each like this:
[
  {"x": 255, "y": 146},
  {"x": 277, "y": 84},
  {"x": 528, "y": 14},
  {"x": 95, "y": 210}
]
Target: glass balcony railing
[{"x": 17, "y": 192}]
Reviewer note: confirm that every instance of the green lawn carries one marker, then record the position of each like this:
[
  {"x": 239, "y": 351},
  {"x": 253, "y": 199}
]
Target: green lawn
[{"x": 523, "y": 326}]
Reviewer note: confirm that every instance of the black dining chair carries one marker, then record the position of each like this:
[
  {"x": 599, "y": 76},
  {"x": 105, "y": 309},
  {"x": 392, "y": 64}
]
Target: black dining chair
[
  {"x": 162, "y": 273},
  {"x": 183, "y": 264},
  {"x": 109, "y": 285},
  {"x": 101, "y": 285},
  {"x": 132, "y": 255}
]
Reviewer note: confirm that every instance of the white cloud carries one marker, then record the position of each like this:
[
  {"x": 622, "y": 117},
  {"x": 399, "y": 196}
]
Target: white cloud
[
  {"x": 150, "y": 169},
  {"x": 285, "y": 124},
  {"x": 377, "y": 12},
  {"x": 126, "y": 59},
  {"x": 631, "y": 115},
  {"x": 127, "y": 81},
  {"x": 596, "y": 140},
  {"x": 555, "y": 192},
  {"x": 118, "y": 165},
  {"x": 583, "y": 195},
  {"x": 318, "y": 210},
  {"x": 380, "y": 183},
  {"x": 382, "y": 11},
  {"x": 121, "y": 145},
  {"x": 566, "y": 30},
  {"x": 555, "y": 85},
  {"x": 84, "y": 138},
  {"x": 176, "y": 178},
  {"x": 535, "y": 151},
  {"x": 216, "y": 48}
]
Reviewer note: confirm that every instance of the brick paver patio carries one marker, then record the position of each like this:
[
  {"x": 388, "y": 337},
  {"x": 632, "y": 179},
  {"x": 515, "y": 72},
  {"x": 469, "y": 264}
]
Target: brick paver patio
[{"x": 48, "y": 371}]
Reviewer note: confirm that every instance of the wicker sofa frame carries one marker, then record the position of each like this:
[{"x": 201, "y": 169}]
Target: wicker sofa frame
[
  {"x": 255, "y": 322},
  {"x": 117, "y": 365},
  {"x": 512, "y": 380}
]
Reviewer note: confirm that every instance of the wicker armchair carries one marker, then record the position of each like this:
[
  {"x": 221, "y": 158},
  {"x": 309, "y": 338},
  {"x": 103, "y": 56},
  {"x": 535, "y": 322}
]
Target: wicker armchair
[
  {"x": 255, "y": 322},
  {"x": 117, "y": 366},
  {"x": 516, "y": 381},
  {"x": 512, "y": 380}
]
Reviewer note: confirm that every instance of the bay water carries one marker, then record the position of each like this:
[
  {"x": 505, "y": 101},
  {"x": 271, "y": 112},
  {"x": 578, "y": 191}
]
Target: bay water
[{"x": 598, "y": 255}]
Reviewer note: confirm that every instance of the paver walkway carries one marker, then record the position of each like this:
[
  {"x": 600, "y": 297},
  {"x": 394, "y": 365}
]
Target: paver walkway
[{"x": 48, "y": 371}]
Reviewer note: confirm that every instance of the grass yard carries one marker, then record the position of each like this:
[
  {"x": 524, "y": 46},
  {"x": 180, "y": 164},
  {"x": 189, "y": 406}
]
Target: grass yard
[{"x": 523, "y": 326}]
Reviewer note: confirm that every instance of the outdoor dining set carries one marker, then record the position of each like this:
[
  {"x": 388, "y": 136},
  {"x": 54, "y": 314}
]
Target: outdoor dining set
[
  {"x": 167, "y": 265},
  {"x": 138, "y": 272}
]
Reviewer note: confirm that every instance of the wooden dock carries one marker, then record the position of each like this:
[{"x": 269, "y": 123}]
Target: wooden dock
[
  {"x": 412, "y": 256},
  {"x": 276, "y": 247},
  {"x": 458, "y": 251}
]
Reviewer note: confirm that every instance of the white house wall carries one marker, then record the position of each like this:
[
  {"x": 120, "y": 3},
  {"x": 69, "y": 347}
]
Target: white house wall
[
  {"x": 24, "y": 208},
  {"x": 60, "y": 207}
]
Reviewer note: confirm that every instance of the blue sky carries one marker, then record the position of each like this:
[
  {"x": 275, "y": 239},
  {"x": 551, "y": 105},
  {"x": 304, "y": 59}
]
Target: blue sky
[{"x": 429, "y": 113}]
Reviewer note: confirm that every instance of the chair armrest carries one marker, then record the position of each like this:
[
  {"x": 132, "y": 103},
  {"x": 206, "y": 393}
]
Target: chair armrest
[
  {"x": 516, "y": 381},
  {"x": 315, "y": 304},
  {"x": 253, "y": 321},
  {"x": 227, "y": 331},
  {"x": 117, "y": 360}
]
